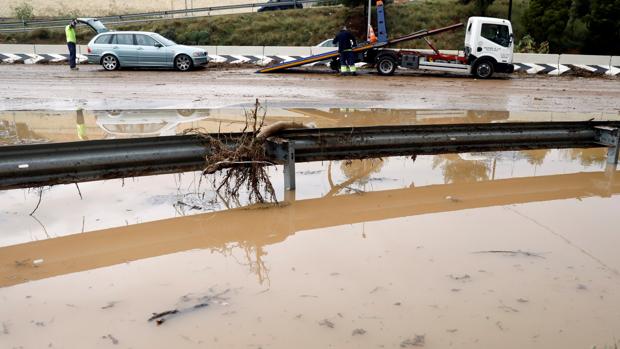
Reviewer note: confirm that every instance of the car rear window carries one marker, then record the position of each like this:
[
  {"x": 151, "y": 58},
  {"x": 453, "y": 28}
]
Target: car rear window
[
  {"x": 103, "y": 39},
  {"x": 123, "y": 39}
]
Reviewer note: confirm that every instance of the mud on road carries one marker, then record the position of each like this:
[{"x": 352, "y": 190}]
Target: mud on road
[{"x": 54, "y": 87}]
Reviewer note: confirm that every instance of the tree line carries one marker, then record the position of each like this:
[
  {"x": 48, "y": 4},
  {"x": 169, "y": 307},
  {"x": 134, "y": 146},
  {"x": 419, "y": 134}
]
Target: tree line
[{"x": 568, "y": 26}]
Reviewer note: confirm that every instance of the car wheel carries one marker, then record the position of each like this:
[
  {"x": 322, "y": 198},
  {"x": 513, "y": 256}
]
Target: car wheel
[
  {"x": 183, "y": 63},
  {"x": 386, "y": 65},
  {"x": 483, "y": 70},
  {"x": 109, "y": 62}
]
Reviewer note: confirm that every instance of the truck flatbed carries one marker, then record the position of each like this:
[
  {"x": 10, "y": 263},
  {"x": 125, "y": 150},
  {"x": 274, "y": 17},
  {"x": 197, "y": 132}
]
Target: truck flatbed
[{"x": 359, "y": 49}]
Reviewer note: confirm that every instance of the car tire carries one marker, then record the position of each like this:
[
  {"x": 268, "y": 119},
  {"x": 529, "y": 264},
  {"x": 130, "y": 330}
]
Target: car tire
[
  {"x": 110, "y": 62},
  {"x": 183, "y": 62},
  {"x": 483, "y": 70},
  {"x": 386, "y": 65}
]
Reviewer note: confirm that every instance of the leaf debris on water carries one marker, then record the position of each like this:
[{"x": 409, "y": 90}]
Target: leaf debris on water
[{"x": 416, "y": 341}]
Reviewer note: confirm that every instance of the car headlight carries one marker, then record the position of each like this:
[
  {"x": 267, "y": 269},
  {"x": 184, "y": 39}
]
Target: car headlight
[{"x": 199, "y": 54}]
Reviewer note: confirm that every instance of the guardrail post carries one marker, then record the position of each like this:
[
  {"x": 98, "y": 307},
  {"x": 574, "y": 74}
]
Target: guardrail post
[
  {"x": 609, "y": 137},
  {"x": 289, "y": 167}
]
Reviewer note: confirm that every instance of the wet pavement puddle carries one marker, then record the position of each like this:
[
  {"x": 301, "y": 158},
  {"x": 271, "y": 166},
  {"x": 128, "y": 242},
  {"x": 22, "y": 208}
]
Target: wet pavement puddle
[
  {"x": 477, "y": 250},
  {"x": 19, "y": 127}
]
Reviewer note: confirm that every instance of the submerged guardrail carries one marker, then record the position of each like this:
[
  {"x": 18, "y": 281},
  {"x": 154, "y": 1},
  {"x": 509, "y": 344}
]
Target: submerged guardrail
[{"x": 60, "y": 163}]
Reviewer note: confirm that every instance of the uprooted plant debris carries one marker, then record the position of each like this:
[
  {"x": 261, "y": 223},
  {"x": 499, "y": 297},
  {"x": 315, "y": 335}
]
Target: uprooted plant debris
[
  {"x": 201, "y": 302},
  {"x": 243, "y": 166}
]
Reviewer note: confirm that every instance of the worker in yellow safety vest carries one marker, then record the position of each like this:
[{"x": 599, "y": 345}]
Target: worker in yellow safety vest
[
  {"x": 71, "y": 42},
  {"x": 346, "y": 41},
  {"x": 81, "y": 125}
]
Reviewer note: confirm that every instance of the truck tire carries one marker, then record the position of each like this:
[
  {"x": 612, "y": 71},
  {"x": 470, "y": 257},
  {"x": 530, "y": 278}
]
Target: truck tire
[
  {"x": 386, "y": 65},
  {"x": 483, "y": 69}
]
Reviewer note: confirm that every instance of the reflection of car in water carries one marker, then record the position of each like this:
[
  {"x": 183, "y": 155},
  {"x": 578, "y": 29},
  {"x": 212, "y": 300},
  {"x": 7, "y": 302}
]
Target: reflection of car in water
[{"x": 145, "y": 123}]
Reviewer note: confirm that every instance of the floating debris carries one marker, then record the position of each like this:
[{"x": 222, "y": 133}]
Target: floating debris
[
  {"x": 416, "y": 341},
  {"x": 327, "y": 323},
  {"x": 358, "y": 332}
]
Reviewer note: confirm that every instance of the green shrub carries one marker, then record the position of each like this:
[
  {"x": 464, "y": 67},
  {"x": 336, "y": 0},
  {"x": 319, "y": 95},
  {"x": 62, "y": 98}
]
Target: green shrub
[
  {"x": 24, "y": 11},
  {"x": 39, "y": 34},
  {"x": 527, "y": 44}
]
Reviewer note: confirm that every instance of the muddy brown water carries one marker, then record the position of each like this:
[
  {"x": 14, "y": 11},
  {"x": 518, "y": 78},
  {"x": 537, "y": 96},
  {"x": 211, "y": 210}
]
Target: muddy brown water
[
  {"x": 21, "y": 127},
  {"x": 480, "y": 250}
]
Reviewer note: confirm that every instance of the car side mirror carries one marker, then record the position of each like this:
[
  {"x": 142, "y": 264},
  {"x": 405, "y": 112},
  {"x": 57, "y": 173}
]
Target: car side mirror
[{"x": 159, "y": 45}]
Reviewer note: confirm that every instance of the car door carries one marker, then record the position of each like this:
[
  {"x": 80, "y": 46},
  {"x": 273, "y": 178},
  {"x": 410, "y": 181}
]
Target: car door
[
  {"x": 150, "y": 52},
  {"x": 124, "y": 48}
]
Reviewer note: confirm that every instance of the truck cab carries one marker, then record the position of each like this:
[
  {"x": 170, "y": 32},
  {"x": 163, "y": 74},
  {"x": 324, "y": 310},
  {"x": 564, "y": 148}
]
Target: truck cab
[{"x": 489, "y": 44}]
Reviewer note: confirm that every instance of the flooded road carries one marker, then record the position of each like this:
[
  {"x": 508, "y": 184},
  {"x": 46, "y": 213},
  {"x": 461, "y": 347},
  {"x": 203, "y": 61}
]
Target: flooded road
[
  {"x": 479, "y": 250},
  {"x": 22, "y": 127}
]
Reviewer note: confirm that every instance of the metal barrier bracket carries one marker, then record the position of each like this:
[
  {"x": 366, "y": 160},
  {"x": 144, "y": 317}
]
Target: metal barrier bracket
[{"x": 609, "y": 137}]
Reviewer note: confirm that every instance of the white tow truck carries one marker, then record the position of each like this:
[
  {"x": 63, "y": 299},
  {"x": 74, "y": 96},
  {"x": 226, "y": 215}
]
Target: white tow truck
[{"x": 489, "y": 44}]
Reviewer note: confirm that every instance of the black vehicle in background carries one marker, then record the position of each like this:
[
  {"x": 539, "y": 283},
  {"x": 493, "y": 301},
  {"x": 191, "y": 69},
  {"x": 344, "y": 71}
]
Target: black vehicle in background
[{"x": 279, "y": 7}]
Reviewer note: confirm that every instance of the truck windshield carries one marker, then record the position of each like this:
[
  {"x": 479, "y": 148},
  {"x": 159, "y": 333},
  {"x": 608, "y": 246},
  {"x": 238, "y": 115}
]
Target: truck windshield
[
  {"x": 163, "y": 40},
  {"x": 497, "y": 33}
]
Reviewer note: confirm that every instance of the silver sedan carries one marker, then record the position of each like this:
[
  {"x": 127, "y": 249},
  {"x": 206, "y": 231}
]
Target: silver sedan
[{"x": 114, "y": 50}]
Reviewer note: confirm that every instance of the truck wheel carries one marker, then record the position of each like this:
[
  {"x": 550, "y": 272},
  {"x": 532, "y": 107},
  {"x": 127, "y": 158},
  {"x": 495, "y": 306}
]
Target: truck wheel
[
  {"x": 483, "y": 70},
  {"x": 386, "y": 65}
]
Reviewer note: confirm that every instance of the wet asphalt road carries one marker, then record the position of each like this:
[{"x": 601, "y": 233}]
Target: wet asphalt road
[{"x": 54, "y": 87}]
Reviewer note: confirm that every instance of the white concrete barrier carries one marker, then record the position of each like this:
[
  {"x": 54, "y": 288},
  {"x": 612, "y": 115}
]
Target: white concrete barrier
[
  {"x": 614, "y": 66},
  {"x": 585, "y": 59},
  {"x": 551, "y": 59},
  {"x": 531, "y": 63},
  {"x": 239, "y": 50},
  {"x": 50, "y": 49},
  {"x": 288, "y": 50},
  {"x": 10, "y": 48}
]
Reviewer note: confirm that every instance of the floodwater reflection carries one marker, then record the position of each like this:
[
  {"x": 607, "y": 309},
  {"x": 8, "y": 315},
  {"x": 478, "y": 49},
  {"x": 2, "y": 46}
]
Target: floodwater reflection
[
  {"x": 255, "y": 227},
  {"x": 493, "y": 250},
  {"x": 20, "y": 127}
]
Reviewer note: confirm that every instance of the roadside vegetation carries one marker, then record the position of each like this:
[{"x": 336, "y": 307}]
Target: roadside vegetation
[
  {"x": 557, "y": 26},
  {"x": 292, "y": 27}
]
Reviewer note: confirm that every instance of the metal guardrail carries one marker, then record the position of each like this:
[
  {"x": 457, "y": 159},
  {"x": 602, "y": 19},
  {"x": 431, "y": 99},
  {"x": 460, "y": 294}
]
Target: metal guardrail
[
  {"x": 17, "y": 26},
  {"x": 48, "y": 164}
]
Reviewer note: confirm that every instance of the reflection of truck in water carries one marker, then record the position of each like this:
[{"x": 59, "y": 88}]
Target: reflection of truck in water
[{"x": 145, "y": 123}]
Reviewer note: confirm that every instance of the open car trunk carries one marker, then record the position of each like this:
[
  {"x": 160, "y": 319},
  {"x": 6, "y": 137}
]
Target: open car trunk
[{"x": 94, "y": 24}]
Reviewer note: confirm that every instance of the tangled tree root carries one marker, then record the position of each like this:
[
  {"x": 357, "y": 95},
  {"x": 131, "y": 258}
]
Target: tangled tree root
[
  {"x": 242, "y": 166},
  {"x": 240, "y": 162}
]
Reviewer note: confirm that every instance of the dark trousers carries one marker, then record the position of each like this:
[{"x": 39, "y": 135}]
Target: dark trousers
[
  {"x": 347, "y": 58},
  {"x": 71, "y": 46}
]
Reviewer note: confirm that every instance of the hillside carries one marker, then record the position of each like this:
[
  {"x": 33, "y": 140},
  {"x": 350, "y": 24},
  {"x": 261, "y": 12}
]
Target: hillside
[{"x": 305, "y": 27}]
